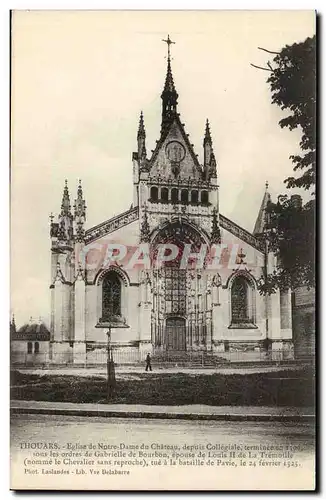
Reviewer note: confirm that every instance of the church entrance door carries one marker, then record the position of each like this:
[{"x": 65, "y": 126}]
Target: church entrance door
[{"x": 175, "y": 328}]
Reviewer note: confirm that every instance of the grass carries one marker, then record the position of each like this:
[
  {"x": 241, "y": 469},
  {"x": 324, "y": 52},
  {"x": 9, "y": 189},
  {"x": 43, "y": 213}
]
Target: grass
[{"x": 284, "y": 388}]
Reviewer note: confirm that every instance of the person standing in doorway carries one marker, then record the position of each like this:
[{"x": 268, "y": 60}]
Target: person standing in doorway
[{"x": 148, "y": 363}]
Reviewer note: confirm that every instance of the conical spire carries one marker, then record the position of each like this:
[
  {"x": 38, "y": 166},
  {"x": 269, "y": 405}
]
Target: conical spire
[
  {"x": 216, "y": 233},
  {"x": 169, "y": 82},
  {"x": 141, "y": 138},
  {"x": 261, "y": 221},
  {"x": 80, "y": 205},
  {"x": 62, "y": 230},
  {"x": 207, "y": 137},
  {"x": 169, "y": 95},
  {"x": 141, "y": 127},
  {"x": 80, "y": 214},
  {"x": 80, "y": 190},
  {"x": 65, "y": 220},
  {"x": 65, "y": 205},
  {"x": 209, "y": 157}
]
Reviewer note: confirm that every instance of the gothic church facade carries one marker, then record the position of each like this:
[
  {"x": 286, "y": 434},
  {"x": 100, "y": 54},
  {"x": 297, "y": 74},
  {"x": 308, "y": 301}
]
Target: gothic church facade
[{"x": 213, "y": 310}]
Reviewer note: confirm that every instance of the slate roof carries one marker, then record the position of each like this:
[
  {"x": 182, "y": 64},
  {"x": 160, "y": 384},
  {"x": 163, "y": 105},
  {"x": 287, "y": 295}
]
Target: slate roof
[{"x": 32, "y": 331}]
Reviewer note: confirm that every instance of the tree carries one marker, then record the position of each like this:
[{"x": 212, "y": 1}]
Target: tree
[
  {"x": 290, "y": 232},
  {"x": 290, "y": 228},
  {"x": 293, "y": 86}
]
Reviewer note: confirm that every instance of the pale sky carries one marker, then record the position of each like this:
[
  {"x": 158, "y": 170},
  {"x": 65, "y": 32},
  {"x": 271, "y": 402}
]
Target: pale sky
[{"x": 79, "y": 81}]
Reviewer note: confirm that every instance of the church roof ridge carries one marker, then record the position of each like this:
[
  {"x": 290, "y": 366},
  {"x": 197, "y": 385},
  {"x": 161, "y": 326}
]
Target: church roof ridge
[
  {"x": 225, "y": 223},
  {"x": 132, "y": 209},
  {"x": 32, "y": 331},
  {"x": 101, "y": 230},
  {"x": 207, "y": 136},
  {"x": 241, "y": 233}
]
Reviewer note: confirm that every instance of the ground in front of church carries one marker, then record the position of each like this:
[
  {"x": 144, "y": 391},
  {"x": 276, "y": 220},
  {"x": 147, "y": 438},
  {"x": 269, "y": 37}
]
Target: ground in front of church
[{"x": 280, "y": 386}]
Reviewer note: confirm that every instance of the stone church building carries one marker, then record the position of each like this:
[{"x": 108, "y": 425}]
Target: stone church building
[{"x": 100, "y": 295}]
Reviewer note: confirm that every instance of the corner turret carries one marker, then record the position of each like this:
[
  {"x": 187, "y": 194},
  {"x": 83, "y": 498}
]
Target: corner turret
[
  {"x": 80, "y": 214},
  {"x": 61, "y": 232}
]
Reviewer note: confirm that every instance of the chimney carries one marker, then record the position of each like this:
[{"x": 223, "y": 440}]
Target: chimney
[{"x": 296, "y": 201}]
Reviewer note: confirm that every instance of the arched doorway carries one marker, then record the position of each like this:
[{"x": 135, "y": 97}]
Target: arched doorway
[
  {"x": 178, "y": 306},
  {"x": 175, "y": 330}
]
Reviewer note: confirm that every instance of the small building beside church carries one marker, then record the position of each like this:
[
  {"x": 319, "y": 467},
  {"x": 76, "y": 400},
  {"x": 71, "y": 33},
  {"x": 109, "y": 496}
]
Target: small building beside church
[
  {"x": 30, "y": 344},
  {"x": 98, "y": 294}
]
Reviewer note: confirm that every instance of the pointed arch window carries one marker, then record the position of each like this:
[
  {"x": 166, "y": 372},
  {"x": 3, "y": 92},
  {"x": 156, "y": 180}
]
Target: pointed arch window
[
  {"x": 111, "y": 297},
  {"x": 242, "y": 303}
]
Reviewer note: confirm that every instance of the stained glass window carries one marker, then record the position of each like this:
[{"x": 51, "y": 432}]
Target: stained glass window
[
  {"x": 175, "y": 287},
  {"x": 111, "y": 297},
  {"x": 239, "y": 300}
]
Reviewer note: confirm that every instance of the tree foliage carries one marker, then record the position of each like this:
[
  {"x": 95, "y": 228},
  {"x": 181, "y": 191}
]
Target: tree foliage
[
  {"x": 290, "y": 226},
  {"x": 293, "y": 86},
  {"x": 290, "y": 231}
]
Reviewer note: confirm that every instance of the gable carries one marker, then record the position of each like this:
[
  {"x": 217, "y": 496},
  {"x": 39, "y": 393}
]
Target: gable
[{"x": 172, "y": 149}]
